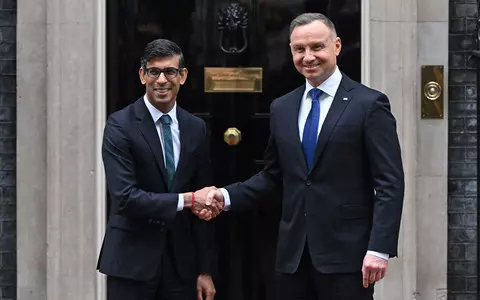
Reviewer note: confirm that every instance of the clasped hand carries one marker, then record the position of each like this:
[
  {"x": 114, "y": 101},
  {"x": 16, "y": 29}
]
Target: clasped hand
[{"x": 208, "y": 203}]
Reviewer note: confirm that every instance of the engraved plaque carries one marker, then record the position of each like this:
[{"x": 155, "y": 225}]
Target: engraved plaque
[{"x": 233, "y": 80}]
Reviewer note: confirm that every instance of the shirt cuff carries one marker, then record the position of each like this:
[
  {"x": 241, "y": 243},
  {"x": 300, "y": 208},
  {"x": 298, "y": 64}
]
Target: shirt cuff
[
  {"x": 226, "y": 199},
  {"x": 180, "y": 202},
  {"x": 379, "y": 254}
]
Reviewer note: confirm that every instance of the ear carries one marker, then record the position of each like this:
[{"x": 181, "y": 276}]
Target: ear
[
  {"x": 183, "y": 76},
  {"x": 338, "y": 46},
  {"x": 141, "y": 74}
]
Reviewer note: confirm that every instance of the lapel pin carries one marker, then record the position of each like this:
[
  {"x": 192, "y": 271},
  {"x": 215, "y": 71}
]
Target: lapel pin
[{"x": 345, "y": 99}]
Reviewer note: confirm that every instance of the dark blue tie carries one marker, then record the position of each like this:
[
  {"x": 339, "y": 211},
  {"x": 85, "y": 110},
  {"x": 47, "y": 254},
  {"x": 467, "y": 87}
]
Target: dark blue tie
[
  {"x": 310, "y": 131},
  {"x": 168, "y": 147}
]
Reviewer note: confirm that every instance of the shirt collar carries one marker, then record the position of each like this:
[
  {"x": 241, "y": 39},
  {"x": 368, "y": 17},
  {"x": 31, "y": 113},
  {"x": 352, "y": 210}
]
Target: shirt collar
[
  {"x": 156, "y": 114},
  {"x": 329, "y": 86}
]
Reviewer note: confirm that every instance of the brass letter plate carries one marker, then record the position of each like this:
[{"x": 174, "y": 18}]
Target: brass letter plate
[
  {"x": 432, "y": 92},
  {"x": 233, "y": 80}
]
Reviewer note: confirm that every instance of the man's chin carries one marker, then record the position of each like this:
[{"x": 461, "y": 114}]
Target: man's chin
[
  {"x": 313, "y": 78},
  {"x": 162, "y": 102},
  {"x": 164, "y": 99}
]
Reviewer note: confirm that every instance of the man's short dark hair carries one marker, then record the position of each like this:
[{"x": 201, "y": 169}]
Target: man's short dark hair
[
  {"x": 307, "y": 18},
  {"x": 162, "y": 48}
]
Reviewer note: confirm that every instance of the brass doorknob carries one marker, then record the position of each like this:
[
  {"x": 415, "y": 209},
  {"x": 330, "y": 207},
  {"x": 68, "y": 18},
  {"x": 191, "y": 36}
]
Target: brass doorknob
[{"x": 232, "y": 136}]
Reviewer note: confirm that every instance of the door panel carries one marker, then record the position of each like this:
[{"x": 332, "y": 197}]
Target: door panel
[{"x": 246, "y": 242}]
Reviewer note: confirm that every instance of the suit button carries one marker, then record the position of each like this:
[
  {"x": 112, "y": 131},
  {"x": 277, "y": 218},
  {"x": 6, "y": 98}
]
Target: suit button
[{"x": 308, "y": 183}]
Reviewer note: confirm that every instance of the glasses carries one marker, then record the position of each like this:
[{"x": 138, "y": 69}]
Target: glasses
[{"x": 169, "y": 72}]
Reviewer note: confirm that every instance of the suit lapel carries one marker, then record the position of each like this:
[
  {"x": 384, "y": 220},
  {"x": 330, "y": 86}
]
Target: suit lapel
[
  {"x": 149, "y": 131},
  {"x": 336, "y": 110},
  {"x": 291, "y": 125},
  {"x": 186, "y": 137}
]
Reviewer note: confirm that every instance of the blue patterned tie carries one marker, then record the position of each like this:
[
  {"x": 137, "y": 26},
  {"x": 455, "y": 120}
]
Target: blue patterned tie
[
  {"x": 168, "y": 147},
  {"x": 310, "y": 131}
]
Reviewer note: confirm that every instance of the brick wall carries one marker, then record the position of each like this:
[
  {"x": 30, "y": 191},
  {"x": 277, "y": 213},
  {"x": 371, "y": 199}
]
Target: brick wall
[
  {"x": 8, "y": 20},
  {"x": 462, "y": 146}
]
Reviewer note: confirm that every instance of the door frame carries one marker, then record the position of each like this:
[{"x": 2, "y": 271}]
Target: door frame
[
  {"x": 100, "y": 120},
  {"x": 365, "y": 42},
  {"x": 101, "y": 108}
]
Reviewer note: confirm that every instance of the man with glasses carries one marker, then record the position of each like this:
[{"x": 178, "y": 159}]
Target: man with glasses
[{"x": 154, "y": 152}]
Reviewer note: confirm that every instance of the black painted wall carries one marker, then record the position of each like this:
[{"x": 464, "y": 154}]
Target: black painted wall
[
  {"x": 8, "y": 21},
  {"x": 462, "y": 152}
]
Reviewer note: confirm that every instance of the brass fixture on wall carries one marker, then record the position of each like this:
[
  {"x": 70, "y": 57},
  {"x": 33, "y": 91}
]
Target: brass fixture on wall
[{"x": 432, "y": 92}]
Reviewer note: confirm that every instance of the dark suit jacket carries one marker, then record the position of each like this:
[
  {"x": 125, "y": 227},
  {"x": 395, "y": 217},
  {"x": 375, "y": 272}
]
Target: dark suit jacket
[
  {"x": 143, "y": 209},
  {"x": 351, "y": 199}
]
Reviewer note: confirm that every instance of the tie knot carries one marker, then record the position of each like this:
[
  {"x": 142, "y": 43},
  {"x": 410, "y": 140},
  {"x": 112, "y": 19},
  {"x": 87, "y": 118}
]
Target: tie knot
[
  {"x": 165, "y": 120},
  {"x": 315, "y": 93}
]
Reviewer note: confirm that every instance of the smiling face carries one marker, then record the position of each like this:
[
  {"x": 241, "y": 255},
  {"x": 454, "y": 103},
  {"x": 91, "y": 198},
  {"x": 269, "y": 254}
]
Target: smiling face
[
  {"x": 314, "y": 51},
  {"x": 162, "y": 91}
]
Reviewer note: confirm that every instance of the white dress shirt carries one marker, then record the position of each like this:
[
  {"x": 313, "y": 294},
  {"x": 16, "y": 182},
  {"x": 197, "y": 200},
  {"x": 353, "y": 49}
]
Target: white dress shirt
[
  {"x": 329, "y": 88},
  {"x": 156, "y": 114}
]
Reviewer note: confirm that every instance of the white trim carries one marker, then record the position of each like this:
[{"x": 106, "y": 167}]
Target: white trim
[
  {"x": 365, "y": 41},
  {"x": 100, "y": 118}
]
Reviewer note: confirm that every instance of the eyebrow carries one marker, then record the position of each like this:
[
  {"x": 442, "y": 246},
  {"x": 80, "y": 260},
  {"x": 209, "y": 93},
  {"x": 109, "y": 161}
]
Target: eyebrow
[
  {"x": 164, "y": 68},
  {"x": 309, "y": 44}
]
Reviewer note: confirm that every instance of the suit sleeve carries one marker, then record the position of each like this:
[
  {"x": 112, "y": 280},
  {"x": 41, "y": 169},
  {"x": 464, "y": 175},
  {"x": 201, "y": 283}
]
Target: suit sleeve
[
  {"x": 245, "y": 195},
  {"x": 384, "y": 155},
  {"x": 120, "y": 171},
  {"x": 202, "y": 230}
]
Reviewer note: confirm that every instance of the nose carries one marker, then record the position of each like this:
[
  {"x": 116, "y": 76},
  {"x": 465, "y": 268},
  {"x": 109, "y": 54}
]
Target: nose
[
  {"x": 161, "y": 78},
  {"x": 309, "y": 57}
]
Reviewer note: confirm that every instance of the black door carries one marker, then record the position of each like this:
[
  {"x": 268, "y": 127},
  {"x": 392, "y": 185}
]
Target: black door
[{"x": 255, "y": 34}]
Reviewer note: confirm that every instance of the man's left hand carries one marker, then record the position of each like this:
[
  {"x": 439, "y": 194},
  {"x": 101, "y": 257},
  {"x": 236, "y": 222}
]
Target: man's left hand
[
  {"x": 205, "y": 287},
  {"x": 373, "y": 269}
]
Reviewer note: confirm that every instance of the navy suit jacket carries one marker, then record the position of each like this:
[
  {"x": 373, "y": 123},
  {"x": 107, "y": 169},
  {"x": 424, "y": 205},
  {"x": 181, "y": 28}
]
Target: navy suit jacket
[
  {"x": 350, "y": 201},
  {"x": 143, "y": 209}
]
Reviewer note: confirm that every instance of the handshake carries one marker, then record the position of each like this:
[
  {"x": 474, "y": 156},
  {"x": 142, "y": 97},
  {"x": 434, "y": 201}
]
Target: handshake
[{"x": 206, "y": 203}]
